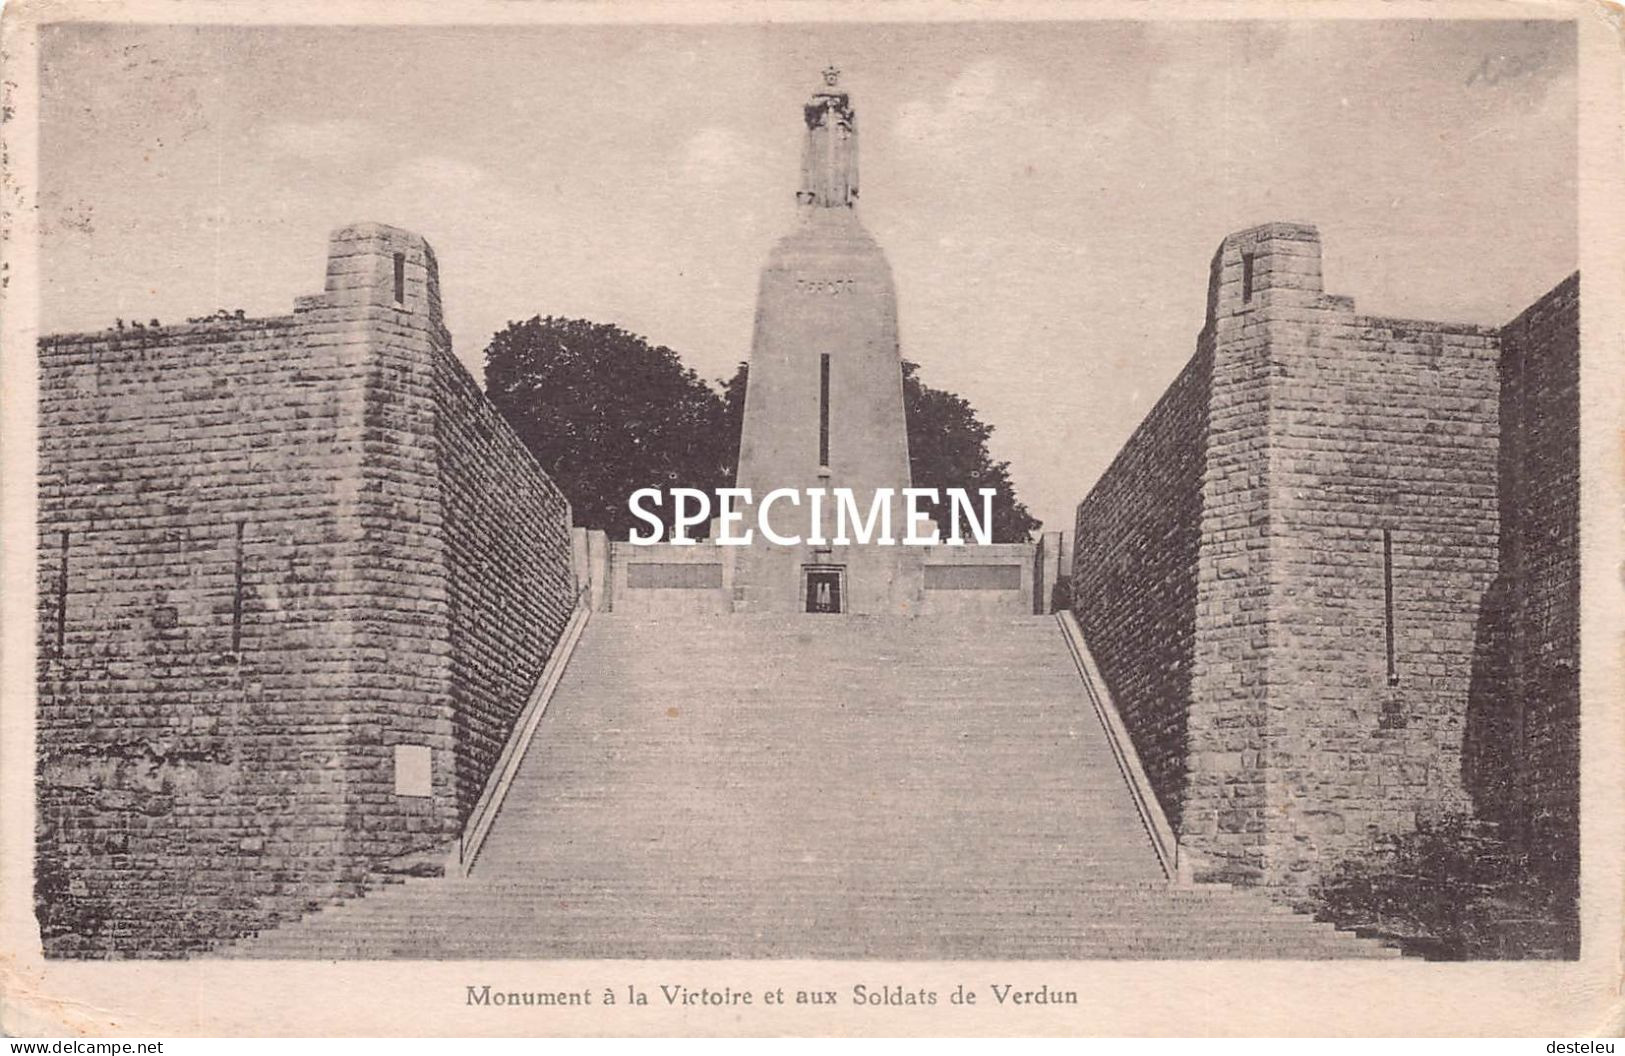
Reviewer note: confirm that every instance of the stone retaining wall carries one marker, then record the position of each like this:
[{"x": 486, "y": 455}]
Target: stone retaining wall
[
  {"x": 282, "y": 565},
  {"x": 1282, "y": 574},
  {"x": 510, "y": 581},
  {"x": 1134, "y": 575},
  {"x": 1523, "y": 730}
]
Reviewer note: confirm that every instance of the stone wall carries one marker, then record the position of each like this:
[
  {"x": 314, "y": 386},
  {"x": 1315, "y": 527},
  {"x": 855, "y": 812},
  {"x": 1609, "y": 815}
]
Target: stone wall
[
  {"x": 172, "y": 744},
  {"x": 395, "y": 707},
  {"x": 1383, "y": 528},
  {"x": 1134, "y": 575},
  {"x": 977, "y": 581},
  {"x": 509, "y": 573},
  {"x": 1524, "y": 722},
  {"x": 1281, "y": 575},
  {"x": 670, "y": 581},
  {"x": 673, "y": 582},
  {"x": 266, "y": 621}
]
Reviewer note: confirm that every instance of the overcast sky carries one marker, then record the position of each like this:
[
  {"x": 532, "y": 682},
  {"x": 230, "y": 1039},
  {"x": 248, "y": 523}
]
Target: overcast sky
[{"x": 1049, "y": 194}]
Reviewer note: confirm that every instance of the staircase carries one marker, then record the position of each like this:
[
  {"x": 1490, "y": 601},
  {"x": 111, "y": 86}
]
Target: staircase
[{"x": 814, "y": 787}]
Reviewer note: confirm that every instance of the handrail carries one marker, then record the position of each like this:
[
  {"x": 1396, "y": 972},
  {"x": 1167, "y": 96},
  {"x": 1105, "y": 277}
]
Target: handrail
[
  {"x": 1164, "y": 841},
  {"x": 481, "y": 818}
]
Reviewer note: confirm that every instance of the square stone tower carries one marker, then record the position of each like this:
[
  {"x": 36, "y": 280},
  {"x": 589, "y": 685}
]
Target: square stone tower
[{"x": 1283, "y": 573}]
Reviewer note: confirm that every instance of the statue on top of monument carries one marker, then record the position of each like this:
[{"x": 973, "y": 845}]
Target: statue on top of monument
[{"x": 829, "y": 159}]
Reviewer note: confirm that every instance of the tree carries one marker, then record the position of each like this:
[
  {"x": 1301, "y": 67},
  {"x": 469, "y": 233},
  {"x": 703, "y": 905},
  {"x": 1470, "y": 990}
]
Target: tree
[
  {"x": 947, "y": 448},
  {"x": 733, "y": 413},
  {"x": 606, "y": 413}
]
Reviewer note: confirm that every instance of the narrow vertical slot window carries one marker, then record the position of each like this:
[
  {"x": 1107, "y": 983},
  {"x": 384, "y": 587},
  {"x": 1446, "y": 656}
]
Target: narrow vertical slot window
[
  {"x": 1247, "y": 276},
  {"x": 823, "y": 409},
  {"x": 400, "y": 280},
  {"x": 62, "y": 597},
  {"x": 1388, "y": 604},
  {"x": 237, "y": 593}
]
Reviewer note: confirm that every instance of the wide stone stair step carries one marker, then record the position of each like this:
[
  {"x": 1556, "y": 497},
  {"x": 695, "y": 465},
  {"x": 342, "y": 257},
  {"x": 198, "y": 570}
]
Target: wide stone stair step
[{"x": 814, "y": 787}]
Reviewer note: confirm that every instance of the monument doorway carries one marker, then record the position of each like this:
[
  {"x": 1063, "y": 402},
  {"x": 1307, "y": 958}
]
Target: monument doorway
[{"x": 825, "y": 591}]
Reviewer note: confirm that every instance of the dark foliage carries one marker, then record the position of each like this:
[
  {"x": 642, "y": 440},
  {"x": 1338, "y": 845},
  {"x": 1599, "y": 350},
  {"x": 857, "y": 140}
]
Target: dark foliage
[
  {"x": 606, "y": 413},
  {"x": 733, "y": 417},
  {"x": 1452, "y": 890},
  {"x": 947, "y": 448},
  {"x": 61, "y": 912}
]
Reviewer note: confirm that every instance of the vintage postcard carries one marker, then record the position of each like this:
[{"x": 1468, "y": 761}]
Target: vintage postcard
[{"x": 812, "y": 519}]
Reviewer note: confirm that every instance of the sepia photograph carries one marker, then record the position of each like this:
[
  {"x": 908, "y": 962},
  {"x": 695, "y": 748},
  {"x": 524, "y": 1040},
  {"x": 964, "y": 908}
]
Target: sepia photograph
[{"x": 1055, "y": 491}]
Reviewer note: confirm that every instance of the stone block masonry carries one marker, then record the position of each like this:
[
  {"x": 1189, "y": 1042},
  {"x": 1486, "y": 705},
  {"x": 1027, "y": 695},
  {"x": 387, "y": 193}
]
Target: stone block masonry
[
  {"x": 1523, "y": 723},
  {"x": 296, "y": 578},
  {"x": 510, "y": 579},
  {"x": 1282, "y": 573},
  {"x": 1382, "y": 526},
  {"x": 1135, "y": 560}
]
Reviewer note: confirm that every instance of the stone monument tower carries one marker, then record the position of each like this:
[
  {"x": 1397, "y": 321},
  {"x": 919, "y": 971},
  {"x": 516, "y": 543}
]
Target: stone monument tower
[{"x": 824, "y": 407}]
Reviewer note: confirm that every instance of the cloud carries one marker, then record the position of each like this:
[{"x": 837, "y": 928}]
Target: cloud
[
  {"x": 713, "y": 155},
  {"x": 454, "y": 202},
  {"x": 985, "y": 94},
  {"x": 438, "y": 172},
  {"x": 332, "y": 140}
]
